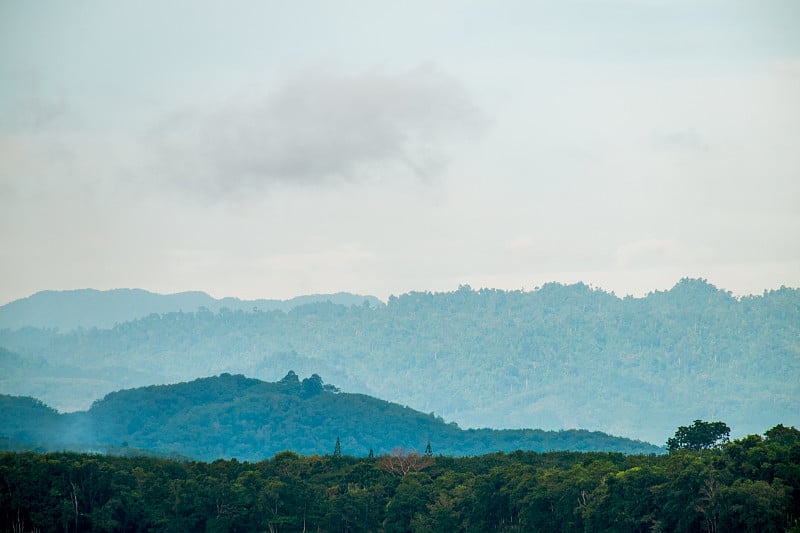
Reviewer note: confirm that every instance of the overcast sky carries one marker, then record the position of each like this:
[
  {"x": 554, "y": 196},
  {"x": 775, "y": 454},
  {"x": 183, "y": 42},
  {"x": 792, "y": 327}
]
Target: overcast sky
[{"x": 271, "y": 149}]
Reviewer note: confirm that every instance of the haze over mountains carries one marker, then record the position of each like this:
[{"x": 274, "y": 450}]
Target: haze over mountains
[
  {"x": 234, "y": 416},
  {"x": 87, "y": 308},
  {"x": 553, "y": 358}
]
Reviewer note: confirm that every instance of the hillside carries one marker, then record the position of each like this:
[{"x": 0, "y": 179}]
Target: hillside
[
  {"x": 553, "y": 358},
  {"x": 88, "y": 308},
  {"x": 233, "y": 416}
]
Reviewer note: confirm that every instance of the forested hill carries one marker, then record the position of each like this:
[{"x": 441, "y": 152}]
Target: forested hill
[
  {"x": 556, "y": 357},
  {"x": 88, "y": 308},
  {"x": 233, "y": 416}
]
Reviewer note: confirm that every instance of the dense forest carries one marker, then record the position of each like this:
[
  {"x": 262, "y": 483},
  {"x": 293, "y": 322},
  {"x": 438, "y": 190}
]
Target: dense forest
[
  {"x": 232, "y": 416},
  {"x": 555, "y": 357},
  {"x": 748, "y": 485}
]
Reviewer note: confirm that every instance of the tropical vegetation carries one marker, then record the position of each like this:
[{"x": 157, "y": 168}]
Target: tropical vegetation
[{"x": 749, "y": 485}]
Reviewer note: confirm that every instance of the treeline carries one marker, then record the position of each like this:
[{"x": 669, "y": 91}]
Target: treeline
[
  {"x": 751, "y": 484},
  {"x": 552, "y": 358},
  {"x": 233, "y": 416}
]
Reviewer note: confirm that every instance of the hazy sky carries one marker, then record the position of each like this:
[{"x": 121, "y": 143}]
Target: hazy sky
[{"x": 270, "y": 149}]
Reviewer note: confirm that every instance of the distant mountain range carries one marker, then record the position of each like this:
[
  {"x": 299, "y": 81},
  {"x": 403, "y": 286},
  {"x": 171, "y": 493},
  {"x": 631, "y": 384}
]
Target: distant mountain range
[
  {"x": 87, "y": 308},
  {"x": 558, "y": 357},
  {"x": 233, "y": 416}
]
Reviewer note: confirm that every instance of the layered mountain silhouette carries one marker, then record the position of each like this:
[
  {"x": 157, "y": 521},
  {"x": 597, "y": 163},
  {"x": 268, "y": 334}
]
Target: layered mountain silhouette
[
  {"x": 557, "y": 357},
  {"x": 90, "y": 308},
  {"x": 234, "y": 416}
]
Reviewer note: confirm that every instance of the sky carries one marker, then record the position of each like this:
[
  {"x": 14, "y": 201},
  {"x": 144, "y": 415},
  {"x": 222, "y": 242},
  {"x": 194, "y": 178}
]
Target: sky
[{"x": 270, "y": 149}]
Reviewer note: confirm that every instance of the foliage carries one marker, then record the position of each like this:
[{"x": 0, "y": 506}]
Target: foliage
[
  {"x": 699, "y": 436},
  {"x": 234, "y": 416},
  {"x": 748, "y": 485},
  {"x": 555, "y": 357}
]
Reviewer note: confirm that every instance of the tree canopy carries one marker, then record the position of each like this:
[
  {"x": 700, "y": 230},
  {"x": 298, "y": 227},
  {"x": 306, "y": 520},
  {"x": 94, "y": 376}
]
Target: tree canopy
[
  {"x": 699, "y": 436},
  {"x": 748, "y": 485},
  {"x": 555, "y": 357},
  {"x": 234, "y": 416}
]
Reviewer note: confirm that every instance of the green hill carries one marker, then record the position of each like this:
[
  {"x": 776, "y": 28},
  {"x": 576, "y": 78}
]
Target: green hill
[
  {"x": 554, "y": 358},
  {"x": 234, "y": 416}
]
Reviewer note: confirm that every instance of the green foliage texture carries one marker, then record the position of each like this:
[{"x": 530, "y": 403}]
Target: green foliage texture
[
  {"x": 555, "y": 357},
  {"x": 748, "y": 485},
  {"x": 233, "y": 416},
  {"x": 700, "y": 435}
]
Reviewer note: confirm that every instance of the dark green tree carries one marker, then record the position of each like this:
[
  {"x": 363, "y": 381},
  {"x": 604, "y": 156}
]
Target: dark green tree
[
  {"x": 412, "y": 496},
  {"x": 312, "y": 386},
  {"x": 290, "y": 380},
  {"x": 783, "y": 435},
  {"x": 699, "y": 436},
  {"x": 337, "y": 450},
  {"x": 428, "y": 450}
]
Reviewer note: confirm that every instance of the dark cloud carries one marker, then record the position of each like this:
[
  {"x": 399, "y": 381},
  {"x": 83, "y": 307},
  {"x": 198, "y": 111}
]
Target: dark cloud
[{"x": 320, "y": 127}]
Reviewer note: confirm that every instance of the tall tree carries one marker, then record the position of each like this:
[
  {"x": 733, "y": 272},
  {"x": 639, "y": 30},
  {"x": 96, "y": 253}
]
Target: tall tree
[
  {"x": 699, "y": 436},
  {"x": 337, "y": 450}
]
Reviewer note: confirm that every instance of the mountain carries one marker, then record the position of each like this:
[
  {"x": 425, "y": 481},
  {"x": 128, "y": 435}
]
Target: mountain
[
  {"x": 88, "y": 308},
  {"x": 234, "y": 416},
  {"x": 560, "y": 356}
]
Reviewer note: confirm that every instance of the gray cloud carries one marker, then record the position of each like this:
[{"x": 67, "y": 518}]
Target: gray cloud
[
  {"x": 34, "y": 107},
  {"x": 319, "y": 127},
  {"x": 679, "y": 140}
]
